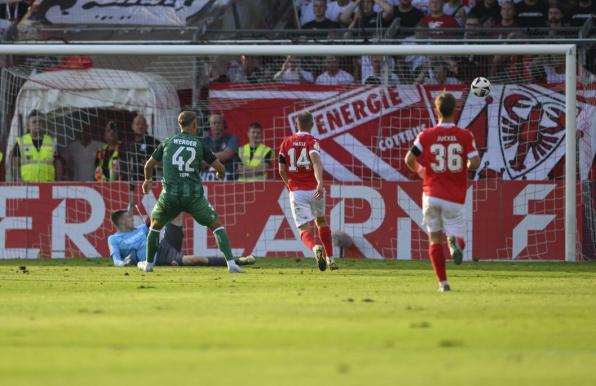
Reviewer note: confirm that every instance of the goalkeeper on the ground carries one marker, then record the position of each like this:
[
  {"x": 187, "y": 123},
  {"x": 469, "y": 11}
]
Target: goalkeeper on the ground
[{"x": 129, "y": 244}]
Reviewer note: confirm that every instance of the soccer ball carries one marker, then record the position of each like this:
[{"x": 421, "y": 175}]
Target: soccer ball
[{"x": 480, "y": 87}]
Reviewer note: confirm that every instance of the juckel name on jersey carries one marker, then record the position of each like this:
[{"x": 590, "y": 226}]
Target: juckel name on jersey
[
  {"x": 446, "y": 138},
  {"x": 355, "y": 107},
  {"x": 187, "y": 142}
]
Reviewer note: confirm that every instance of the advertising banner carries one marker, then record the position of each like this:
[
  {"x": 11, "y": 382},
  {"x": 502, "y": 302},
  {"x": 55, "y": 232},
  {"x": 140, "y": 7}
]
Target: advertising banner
[{"x": 510, "y": 220}]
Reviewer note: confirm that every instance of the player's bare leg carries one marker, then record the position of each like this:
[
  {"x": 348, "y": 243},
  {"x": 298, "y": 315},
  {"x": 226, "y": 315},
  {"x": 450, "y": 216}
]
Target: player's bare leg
[
  {"x": 435, "y": 253},
  {"x": 152, "y": 246},
  {"x": 223, "y": 243},
  {"x": 308, "y": 238},
  {"x": 325, "y": 236}
]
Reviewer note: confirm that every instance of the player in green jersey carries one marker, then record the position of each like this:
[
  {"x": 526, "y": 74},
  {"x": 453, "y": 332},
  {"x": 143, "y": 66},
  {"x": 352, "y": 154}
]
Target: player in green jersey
[{"x": 182, "y": 191}]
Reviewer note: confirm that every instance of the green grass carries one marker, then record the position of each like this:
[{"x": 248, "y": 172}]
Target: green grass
[{"x": 82, "y": 322}]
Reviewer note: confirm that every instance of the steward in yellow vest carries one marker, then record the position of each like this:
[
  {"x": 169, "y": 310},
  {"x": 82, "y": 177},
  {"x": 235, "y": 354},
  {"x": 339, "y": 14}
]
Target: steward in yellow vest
[
  {"x": 37, "y": 153},
  {"x": 109, "y": 159},
  {"x": 107, "y": 163},
  {"x": 255, "y": 156},
  {"x": 37, "y": 164}
]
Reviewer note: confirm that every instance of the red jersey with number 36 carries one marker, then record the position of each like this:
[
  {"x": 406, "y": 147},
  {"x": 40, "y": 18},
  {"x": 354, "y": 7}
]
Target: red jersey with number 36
[
  {"x": 444, "y": 151},
  {"x": 295, "y": 153}
]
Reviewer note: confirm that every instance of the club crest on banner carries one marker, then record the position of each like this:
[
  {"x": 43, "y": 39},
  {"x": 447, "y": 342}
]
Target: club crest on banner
[{"x": 531, "y": 128}]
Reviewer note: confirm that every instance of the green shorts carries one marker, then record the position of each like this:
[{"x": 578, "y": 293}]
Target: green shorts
[{"x": 169, "y": 206}]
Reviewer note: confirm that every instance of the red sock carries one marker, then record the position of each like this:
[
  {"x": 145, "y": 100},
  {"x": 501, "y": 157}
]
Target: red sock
[
  {"x": 325, "y": 236},
  {"x": 435, "y": 252},
  {"x": 308, "y": 239},
  {"x": 461, "y": 242}
]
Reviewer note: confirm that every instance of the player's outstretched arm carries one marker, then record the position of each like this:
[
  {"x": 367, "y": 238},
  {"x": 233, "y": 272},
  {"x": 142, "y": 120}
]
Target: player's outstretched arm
[{"x": 219, "y": 168}]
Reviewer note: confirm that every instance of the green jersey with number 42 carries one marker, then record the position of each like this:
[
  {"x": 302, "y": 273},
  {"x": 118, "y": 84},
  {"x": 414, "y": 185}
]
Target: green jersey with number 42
[{"x": 181, "y": 157}]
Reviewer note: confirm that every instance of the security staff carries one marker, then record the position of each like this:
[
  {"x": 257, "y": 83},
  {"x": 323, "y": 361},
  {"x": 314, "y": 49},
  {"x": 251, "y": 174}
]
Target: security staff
[
  {"x": 255, "y": 156},
  {"x": 110, "y": 159},
  {"x": 37, "y": 153}
]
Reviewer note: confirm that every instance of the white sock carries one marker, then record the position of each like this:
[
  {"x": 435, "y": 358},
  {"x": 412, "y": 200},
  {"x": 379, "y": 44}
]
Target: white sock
[
  {"x": 443, "y": 283},
  {"x": 231, "y": 263}
]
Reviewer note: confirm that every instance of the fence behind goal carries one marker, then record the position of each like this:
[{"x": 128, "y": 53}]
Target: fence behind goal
[{"x": 367, "y": 109}]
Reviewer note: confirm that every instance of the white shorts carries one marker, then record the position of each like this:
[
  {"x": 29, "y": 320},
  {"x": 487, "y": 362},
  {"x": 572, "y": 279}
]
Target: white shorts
[
  {"x": 305, "y": 207},
  {"x": 443, "y": 216}
]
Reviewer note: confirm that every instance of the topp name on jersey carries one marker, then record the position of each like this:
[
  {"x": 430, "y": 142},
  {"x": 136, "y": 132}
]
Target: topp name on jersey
[{"x": 187, "y": 142}]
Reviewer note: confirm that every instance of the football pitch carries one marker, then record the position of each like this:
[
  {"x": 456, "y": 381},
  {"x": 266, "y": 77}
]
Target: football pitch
[{"x": 83, "y": 322}]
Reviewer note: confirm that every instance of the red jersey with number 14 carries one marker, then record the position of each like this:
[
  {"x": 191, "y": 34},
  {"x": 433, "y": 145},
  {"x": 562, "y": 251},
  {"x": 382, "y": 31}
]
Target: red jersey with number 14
[
  {"x": 295, "y": 153},
  {"x": 444, "y": 151}
]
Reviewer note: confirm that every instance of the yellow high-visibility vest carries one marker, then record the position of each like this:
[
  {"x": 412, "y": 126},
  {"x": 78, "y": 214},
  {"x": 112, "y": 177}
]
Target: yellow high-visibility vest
[
  {"x": 37, "y": 165},
  {"x": 257, "y": 159},
  {"x": 111, "y": 162}
]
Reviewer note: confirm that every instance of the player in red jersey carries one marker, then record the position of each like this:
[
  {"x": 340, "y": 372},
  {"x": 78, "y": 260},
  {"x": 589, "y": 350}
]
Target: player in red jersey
[
  {"x": 442, "y": 156},
  {"x": 301, "y": 170}
]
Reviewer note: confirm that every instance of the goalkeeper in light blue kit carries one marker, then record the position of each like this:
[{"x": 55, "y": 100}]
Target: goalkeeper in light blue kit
[{"x": 128, "y": 246}]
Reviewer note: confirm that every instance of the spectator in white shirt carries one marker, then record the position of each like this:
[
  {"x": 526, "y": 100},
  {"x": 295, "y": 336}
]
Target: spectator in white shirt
[
  {"x": 291, "y": 72},
  {"x": 80, "y": 156},
  {"x": 334, "y": 75},
  {"x": 335, "y": 8}
]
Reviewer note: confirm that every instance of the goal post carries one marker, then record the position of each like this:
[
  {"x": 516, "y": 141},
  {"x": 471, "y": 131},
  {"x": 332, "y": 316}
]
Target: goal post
[
  {"x": 567, "y": 51},
  {"x": 570, "y": 148}
]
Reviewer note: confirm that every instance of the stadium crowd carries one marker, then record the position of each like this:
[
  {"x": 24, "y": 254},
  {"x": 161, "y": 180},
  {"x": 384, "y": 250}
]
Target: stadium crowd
[
  {"x": 413, "y": 21},
  {"x": 354, "y": 14}
]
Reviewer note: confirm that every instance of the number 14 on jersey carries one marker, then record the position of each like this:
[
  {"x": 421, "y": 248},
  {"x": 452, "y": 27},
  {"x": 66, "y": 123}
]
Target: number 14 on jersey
[{"x": 302, "y": 161}]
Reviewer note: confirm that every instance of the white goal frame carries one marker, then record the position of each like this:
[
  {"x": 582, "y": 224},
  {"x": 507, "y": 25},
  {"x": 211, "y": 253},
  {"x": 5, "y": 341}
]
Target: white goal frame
[{"x": 568, "y": 50}]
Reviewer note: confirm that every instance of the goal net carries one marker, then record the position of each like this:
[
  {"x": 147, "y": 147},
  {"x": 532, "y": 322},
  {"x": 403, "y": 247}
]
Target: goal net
[{"x": 104, "y": 114}]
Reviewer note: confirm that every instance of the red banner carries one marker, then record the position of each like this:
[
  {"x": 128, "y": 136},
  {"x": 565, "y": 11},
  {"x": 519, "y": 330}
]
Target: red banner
[
  {"x": 509, "y": 220},
  {"x": 365, "y": 131}
]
